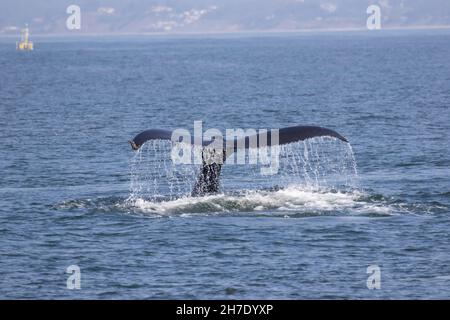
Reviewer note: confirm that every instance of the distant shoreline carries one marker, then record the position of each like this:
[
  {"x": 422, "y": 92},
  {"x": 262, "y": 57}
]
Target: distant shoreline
[{"x": 74, "y": 34}]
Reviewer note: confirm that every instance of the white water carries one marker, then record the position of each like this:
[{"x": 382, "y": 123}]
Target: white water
[
  {"x": 315, "y": 176},
  {"x": 292, "y": 201}
]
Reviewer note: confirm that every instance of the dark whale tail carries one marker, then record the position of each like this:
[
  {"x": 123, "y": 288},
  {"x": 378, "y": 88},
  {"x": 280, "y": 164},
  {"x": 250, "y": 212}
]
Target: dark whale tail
[
  {"x": 208, "y": 180},
  {"x": 286, "y": 135}
]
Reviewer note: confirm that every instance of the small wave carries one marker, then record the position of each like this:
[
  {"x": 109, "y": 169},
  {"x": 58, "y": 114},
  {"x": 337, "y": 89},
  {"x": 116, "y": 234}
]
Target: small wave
[{"x": 106, "y": 204}]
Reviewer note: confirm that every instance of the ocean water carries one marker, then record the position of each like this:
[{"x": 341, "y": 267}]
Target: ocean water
[{"x": 72, "y": 192}]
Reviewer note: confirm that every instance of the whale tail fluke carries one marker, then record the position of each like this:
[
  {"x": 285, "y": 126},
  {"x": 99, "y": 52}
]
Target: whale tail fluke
[{"x": 208, "y": 180}]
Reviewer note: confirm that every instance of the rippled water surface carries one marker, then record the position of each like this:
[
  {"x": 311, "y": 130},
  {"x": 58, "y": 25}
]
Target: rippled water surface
[{"x": 72, "y": 192}]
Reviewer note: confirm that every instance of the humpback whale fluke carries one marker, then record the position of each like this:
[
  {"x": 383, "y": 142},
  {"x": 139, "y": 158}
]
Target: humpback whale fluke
[
  {"x": 208, "y": 179},
  {"x": 286, "y": 135}
]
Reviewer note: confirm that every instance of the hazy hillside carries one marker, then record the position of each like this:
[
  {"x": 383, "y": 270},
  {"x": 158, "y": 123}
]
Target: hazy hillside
[{"x": 137, "y": 16}]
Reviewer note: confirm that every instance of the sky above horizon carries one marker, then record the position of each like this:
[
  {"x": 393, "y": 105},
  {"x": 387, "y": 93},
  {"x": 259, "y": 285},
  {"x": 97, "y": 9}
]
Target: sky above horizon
[{"x": 179, "y": 16}]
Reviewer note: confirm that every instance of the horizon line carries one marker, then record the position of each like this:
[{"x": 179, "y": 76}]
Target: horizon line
[{"x": 242, "y": 32}]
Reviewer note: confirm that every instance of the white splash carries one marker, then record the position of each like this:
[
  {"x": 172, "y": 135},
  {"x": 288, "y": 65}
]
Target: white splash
[
  {"x": 316, "y": 175},
  {"x": 287, "y": 202}
]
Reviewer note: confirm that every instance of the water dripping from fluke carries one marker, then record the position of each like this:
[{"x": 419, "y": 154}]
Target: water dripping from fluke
[{"x": 317, "y": 175}]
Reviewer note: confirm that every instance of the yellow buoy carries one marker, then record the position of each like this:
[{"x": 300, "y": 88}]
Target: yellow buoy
[{"x": 25, "y": 44}]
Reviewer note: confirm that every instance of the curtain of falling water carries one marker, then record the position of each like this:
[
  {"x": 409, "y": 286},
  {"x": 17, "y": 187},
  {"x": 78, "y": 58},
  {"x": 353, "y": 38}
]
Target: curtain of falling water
[
  {"x": 317, "y": 164},
  {"x": 155, "y": 177}
]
